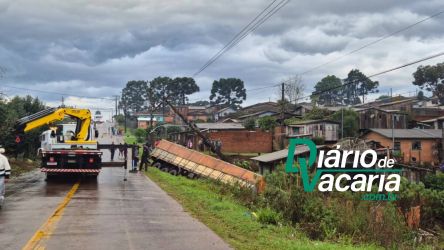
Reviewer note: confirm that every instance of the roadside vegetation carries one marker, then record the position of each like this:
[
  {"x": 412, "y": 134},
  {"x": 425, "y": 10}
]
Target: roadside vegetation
[
  {"x": 19, "y": 167},
  {"x": 232, "y": 214},
  {"x": 286, "y": 217}
]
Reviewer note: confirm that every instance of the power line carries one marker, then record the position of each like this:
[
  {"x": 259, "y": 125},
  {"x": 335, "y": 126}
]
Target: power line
[
  {"x": 250, "y": 27},
  {"x": 376, "y": 74},
  {"x": 372, "y": 43},
  {"x": 57, "y": 93}
]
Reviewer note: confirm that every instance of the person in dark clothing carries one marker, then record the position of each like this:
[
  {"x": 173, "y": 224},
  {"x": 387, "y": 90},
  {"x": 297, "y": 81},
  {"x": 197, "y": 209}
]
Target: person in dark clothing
[
  {"x": 125, "y": 151},
  {"x": 144, "y": 160},
  {"x": 112, "y": 149}
]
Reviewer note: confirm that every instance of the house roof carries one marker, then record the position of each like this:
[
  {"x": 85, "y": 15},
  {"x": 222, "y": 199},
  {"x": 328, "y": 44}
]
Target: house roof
[
  {"x": 282, "y": 154},
  {"x": 257, "y": 113},
  {"x": 409, "y": 133},
  {"x": 313, "y": 122},
  {"x": 220, "y": 126},
  {"x": 379, "y": 109},
  {"x": 434, "y": 119}
]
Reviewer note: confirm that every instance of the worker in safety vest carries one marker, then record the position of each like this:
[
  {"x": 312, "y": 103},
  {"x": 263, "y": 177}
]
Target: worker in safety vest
[{"x": 5, "y": 171}]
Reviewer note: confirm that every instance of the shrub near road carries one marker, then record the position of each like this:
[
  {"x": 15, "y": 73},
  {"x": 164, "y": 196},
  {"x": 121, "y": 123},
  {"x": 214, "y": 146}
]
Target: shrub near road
[{"x": 218, "y": 206}]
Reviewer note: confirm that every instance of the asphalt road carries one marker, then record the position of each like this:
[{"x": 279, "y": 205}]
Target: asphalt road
[{"x": 107, "y": 213}]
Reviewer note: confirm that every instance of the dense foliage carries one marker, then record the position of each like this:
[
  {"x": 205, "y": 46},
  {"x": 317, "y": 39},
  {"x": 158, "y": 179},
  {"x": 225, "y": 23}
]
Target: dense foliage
[{"x": 10, "y": 112}]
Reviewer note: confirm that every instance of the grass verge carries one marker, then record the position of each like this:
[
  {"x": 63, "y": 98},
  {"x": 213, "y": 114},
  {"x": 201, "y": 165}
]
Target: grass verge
[
  {"x": 233, "y": 222},
  {"x": 19, "y": 167}
]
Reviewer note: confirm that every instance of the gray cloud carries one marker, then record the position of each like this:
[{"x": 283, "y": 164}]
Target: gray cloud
[{"x": 95, "y": 47}]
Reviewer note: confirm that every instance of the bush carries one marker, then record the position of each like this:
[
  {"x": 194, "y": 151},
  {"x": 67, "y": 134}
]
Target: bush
[
  {"x": 250, "y": 124},
  {"x": 318, "y": 140},
  {"x": 267, "y": 123},
  {"x": 434, "y": 181},
  {"x": 140, "y": 134},
  {"x": 268, "y": 216}
]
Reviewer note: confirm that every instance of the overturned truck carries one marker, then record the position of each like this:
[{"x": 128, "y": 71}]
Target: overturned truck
[{"x": 176, "y": 159}]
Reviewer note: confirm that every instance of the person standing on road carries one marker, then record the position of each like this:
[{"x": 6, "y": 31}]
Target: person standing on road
[
  {"x": 135, "y": 156},
  {"x": 5, "y": 171},
  {"x": 144, "y": 160},
  {"x": 112, "y": 149}
]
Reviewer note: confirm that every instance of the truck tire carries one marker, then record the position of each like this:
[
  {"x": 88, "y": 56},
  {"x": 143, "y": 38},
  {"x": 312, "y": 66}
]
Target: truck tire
[
  {"x": 157, "y": 165},
  {"x": 191, "y": 175},
  {"x": 173, "y": 171},
  {"x": 164, "y": 169}
]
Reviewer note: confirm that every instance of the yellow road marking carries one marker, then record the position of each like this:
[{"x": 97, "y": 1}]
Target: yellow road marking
[{"x": 45, "y": 231}]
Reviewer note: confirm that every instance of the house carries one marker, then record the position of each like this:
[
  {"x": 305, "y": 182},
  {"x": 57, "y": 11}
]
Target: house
[
  {"x": 412, "y": 146},
  {"x": 267, "y": 162},
  {"x": 223, "y": 112},
  {"x": 435, "y": 123},
  {"x": 421, "y": 114},
  {"x": 326, "y": 129},
  {"x": 232, "y": 138},
  {"x": 401, "y": 103},
  {"x": 144, "y": 118},
  {"x": 378, "y": 118}
]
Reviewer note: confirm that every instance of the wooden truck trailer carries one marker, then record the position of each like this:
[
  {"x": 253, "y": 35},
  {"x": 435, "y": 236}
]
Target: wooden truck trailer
[{"x": 176, "y": 159}]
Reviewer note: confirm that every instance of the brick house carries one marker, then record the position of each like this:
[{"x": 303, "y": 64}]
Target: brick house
[
  {"x": 326, "y": 129},
  {"x": 234, "y": 138},
  {"x": 415, "y": 146}
]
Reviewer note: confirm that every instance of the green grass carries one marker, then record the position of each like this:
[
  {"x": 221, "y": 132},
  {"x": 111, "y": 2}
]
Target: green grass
[
  {"x": 129, "y": 138},
  {"x": 233, "y": 222}
]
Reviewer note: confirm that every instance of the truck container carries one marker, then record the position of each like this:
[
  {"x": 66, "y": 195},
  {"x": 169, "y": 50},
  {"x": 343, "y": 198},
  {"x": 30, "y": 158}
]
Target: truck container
[{"x": 176, "y": 159}]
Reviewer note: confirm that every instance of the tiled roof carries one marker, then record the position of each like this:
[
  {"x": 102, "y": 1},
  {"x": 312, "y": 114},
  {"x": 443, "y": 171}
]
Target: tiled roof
[{"x": 410, "y": 133}]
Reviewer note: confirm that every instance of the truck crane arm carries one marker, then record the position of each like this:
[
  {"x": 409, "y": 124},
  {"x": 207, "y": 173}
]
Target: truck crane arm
[{"x": 47, "y": 116}]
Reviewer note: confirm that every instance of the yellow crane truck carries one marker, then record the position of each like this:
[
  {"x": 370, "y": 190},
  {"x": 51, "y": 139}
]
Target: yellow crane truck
[{"x": 65, "y": 148}]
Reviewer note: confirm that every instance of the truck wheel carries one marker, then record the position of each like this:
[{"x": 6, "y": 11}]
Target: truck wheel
[
  {"x": 157, "y": 165},
  {"x": 191, "y": 175},
  {"x": 164, "y": 169},
  {"x": 174, "y": 171}
]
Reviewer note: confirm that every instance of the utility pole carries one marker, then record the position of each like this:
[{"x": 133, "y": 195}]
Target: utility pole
[
  {"x": 442, "y": 143},
  {"x": 393, "y": 132},
  {"x": 193, "y": 127},
  {"x": 281, "y": 134},
  {"x": 116, "y": 100},
  {"x": 342, "y": 123}
]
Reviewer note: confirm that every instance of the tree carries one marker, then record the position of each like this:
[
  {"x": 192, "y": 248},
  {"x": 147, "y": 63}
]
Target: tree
[
  {"x": 229, "y": 92},
  {"x": 316, "y": 114},
  {"x": 181, "y": 87},
  {"x": 16, "y": 108},
  {"x": 249, "y": 124},
  {"x": 382, "y": 97},
  {"x": 294, "y": 89},
  {"x": 267, "y": 122},
  {"x": 133, "y": 97},
  {"x": 431, "y": 78},
  {"x": 420, "y": 95},
  {"x": 351, "y": 122},
  {"x": 328, "y": 91},
  {"x": 157, "y": 90},
  {"x": 357, "y": 84},
  {"x": 200, "y": 103}
]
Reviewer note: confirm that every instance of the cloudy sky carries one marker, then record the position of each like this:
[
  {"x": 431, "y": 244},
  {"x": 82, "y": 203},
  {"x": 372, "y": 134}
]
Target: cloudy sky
[{"x": 92, "y": 47}]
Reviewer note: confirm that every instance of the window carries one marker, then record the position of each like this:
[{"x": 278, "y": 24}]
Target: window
[
  {"x": 416, "y": 145},
  {"x": 397, "y": 146}
]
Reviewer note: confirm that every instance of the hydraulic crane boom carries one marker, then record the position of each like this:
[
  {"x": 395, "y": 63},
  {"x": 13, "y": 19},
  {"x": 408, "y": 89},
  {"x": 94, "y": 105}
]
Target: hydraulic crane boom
[{"x": 47, "y": 116}]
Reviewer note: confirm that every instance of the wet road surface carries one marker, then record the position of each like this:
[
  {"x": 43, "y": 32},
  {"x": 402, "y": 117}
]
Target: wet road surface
[{"x": 107, "y": 213}]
